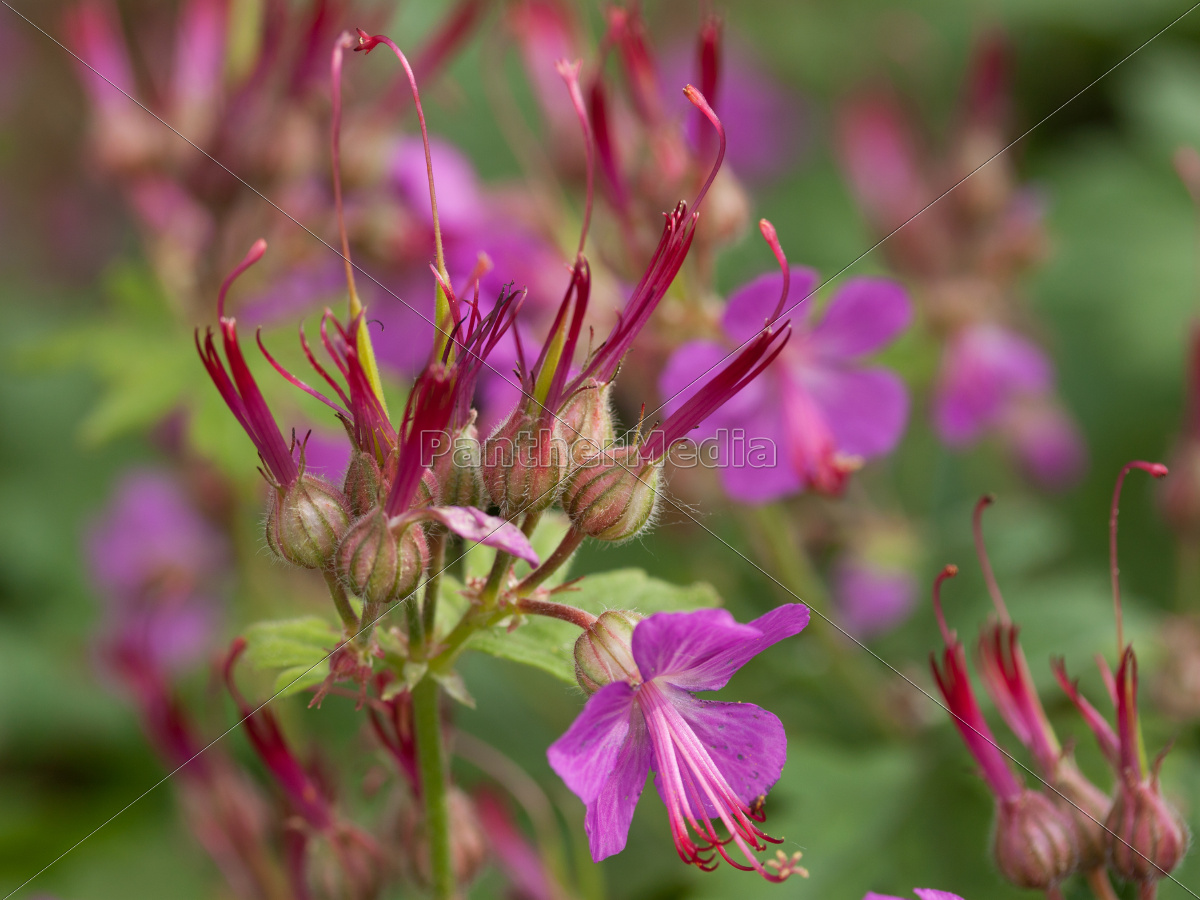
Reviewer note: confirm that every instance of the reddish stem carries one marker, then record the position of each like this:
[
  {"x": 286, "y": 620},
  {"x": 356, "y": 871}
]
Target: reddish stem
[
  {"x": 985, "y": 564},
  {"x": 701, "y": 104},
  {"x": 570, "y": 74},
  {"x": 561, "y": 611},
  {"x": 772, "y": 238}
]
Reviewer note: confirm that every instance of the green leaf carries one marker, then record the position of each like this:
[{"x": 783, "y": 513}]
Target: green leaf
[
  {"x": 299, "y": 678},
  {"x": 548, "y": 644},
  {"x": 290, "y": 643}
]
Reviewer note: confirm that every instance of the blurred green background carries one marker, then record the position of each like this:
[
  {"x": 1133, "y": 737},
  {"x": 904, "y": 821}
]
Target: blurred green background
[{"x": 1116, "y": 299}]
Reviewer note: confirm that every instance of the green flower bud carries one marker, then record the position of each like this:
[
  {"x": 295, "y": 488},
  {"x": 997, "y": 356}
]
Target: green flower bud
[
  {"x": 587, "y": 420},
  {"x": 456, "y": 471},
  {"x": 524, "y": 463},
  {"x": 613, "y": 497},
  {"x": 380, "y": 563},
  {"x": 363, "y": 482},
  {"x": 604, "y": 654},
  {"x": 306, "y": 521}
]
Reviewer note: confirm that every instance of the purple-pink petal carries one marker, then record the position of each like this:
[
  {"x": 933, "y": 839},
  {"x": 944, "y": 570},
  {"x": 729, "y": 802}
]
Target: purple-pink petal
[
  {"x": 584, "y": 757},
  {"x": 865, "y": 409},
  {"x": 756, "y": 466},
  {"x": 753, "y": 303},
  {"x": 872, "y": 599},
  {"x": 864, "y": 315},
  {"x": 931, "y": 894},
  {"x": 492, "y": 531},
  {"x": 701, "y": 650},
  {"x": 608, "y": 816},
  {"x": 1048, "y": 445},
  {"x": 747, "y": 743},
  {"x": 984, "y": 368}
]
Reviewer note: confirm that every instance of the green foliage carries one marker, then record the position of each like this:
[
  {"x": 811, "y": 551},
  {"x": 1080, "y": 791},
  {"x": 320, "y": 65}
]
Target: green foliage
[
  {"x": 299, "y": 647},
  {"x": 547, "y": 644}
]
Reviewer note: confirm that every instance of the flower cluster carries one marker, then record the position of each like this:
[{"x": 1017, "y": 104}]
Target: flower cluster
[
  {"x": 1043, "y": 837},
  {"x": 959, "y": 228}
]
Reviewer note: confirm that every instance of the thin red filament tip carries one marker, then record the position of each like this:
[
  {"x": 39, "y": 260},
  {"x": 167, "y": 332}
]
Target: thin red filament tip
[
  {"x": 252, "y": 256},
  {"x": 1158, "y": 470},
  {"x": 989, "y": 576},
  {"x": 701, "y": 104},
  {"x": 344, "y": 42},
  {"x": 948, "y": 572},
  {"x": 570, "y": 74},
  {"x": 772, "y": 239},
  {"x": 367, "y": 43}
]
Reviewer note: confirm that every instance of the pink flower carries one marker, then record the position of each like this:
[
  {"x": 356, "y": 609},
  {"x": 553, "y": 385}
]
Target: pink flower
[
  {"x": 817, "y": 413},
  {"x": 713, "y": 761}
]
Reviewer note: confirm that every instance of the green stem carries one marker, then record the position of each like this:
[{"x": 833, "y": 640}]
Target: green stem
[
  {"x": 416, "y": 634},
  {"x": 555, "y": 561},
  {"x": 431, "y": 762},
  {"x": 433, "y": 584},
  {"x": 341, "y": 602},
  {"x": 495, "y": 580}
]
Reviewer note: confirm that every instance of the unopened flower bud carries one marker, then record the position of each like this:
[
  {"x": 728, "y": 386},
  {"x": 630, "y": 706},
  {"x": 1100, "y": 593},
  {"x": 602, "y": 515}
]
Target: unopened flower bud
[
  {"x": 612, "y": 497},
  {"x": 379, "y": 563},
  {"x": 587, "y": 420},
  {"x": 1148, "y": 836},
  {"x": 604, "y": 654},
  {"x": 363, "y": 481},
  {"x": 1034, "y": 843},
  {"x": 306, "y": 521},
  {"x": 456, "y": 471},
  {"x": 1086, "y": 807},
  {"x": 525, "y": 462}
]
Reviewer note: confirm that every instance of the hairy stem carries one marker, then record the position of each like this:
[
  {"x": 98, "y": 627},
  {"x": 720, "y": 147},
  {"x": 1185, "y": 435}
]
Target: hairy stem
[
  {"x": 341, "y": 602},
  {"x": 555, "y": 561},
  {"x": 553, "y": 610},
  {"x": 495, "y": 580},
  {"x": 433, "y": 585},
  {"x": 432, "y": 764}
]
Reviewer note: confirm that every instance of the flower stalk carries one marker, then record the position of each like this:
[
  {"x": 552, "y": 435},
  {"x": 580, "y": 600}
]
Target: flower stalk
[{"x": 433, "y": 770}]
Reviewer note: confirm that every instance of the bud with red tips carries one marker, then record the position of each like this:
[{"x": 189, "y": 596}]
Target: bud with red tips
[
  {"x": 1034, "y": 843},
  {"x": 1086, "y": 807},
  {"x": 364, "y": 482},
  {"x": 612, "y": 497},
  {"x": 604, "y": 653},
  {"x": 381, "y": 564},
  {"x": 524, "y": 462},
  {"x": 587, "y": 420},
  {"x": 455, "y": 473},
  {"x": 1148, "y": 836},
  {"x": 306, "y": 522}
]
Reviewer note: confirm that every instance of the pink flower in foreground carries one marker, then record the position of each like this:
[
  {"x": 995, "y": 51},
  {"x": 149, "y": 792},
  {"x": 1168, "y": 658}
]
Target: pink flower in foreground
[
  {"x": 818, "y": 412},
  {"x": 923, "y": 893},
  {"x": 713, "y": 762}
]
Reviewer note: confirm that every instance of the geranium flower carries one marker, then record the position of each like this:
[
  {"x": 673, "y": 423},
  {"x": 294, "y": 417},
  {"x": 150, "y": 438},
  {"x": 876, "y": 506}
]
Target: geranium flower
[
  {"x": 714, "y": 762},
  {"x": 923, "y": 893},
  {"x": 817, "y": 413}
]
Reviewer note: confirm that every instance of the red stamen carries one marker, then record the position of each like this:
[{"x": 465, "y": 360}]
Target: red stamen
[
  {"x": 253, "y": 255},
  {"x": 701, "y": 104},
  {"x": 570, "y": 74},
  {"x": 948, "y": 636},
  {"x": 296, "y": 382},
  {"x": 984, "y": 563},
  {"x": 1158, "y": 470},
  {"x": 772, "y": 238},
  {"x": 367, "y": 43}
]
